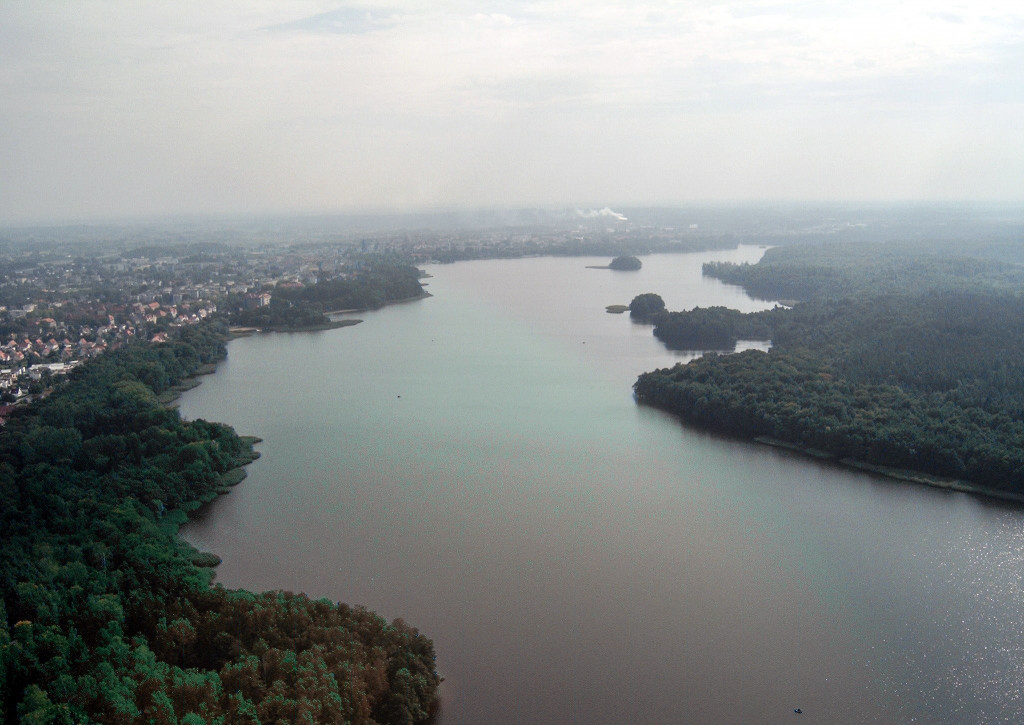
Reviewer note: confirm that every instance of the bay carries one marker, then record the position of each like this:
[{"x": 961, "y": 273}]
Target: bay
[{"x": 474, "y": 463}]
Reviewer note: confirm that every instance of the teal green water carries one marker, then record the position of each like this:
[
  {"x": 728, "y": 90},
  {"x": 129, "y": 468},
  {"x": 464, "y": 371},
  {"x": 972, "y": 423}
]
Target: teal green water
[{"x": 474, "y": 463}]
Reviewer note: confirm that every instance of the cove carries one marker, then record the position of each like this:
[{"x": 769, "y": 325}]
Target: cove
[{"x": 475, "y": 463}]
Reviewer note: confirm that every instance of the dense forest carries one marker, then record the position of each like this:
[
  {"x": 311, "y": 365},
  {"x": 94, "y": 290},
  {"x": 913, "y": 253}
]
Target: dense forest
[
  {"x": 106, "y": 616},
  {"x": 371, "y": 283},
  {"x": 844, "y": 270},
  {"x": 708, "y": 328},
  {"x": 926, "y": 375}
]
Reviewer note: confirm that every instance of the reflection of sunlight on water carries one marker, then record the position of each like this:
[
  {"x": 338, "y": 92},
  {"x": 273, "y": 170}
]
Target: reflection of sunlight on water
[
  {"x": 685, "y": 356},
  {"x": 994, "y": 571},
  {"x": 744, "y": 345},
  {"x": 965, "y": 649}
]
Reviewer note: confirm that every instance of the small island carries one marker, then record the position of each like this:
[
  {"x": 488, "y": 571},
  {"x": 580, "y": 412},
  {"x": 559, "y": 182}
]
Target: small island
[
  {"x": 625, "y": 263},
  {"x": 647, "y": 306}
]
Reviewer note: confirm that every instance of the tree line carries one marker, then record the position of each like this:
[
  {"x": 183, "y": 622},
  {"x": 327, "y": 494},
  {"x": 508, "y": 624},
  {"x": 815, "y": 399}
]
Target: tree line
[{"x": 106, "y": 616}]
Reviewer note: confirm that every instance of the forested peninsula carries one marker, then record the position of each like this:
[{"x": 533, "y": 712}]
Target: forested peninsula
[
  {"x": 106, "y": 616},
  {"x": 372, "y": 282},
  {"x": 909, "y": 358}
]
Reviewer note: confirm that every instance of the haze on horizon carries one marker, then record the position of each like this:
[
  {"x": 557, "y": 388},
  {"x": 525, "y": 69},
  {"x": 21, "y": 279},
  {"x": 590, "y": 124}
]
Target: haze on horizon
[{"x": 112, "y": 109}]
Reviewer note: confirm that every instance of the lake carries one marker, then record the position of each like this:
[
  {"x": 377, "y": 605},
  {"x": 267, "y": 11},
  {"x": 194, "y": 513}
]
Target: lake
[{"x": 475, "y": 464}]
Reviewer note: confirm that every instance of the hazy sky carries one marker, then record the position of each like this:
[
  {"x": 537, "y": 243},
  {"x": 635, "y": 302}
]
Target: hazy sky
[{"x": 111, "y": 109}]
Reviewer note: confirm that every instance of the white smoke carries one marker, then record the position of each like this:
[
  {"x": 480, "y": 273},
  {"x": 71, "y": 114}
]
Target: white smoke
[{"x": 593, "y": 213}]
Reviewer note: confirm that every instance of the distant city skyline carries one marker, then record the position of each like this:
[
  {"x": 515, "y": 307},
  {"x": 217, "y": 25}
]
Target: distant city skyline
[{"x": 113, "y": 110}]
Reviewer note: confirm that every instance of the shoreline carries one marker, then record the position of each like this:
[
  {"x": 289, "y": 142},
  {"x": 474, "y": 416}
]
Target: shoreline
[
  {"x": 235, "y": 333},
  {"x": 237, "y": 473},
  {"x": 169, "y": 397},
  {"x": 905, "y": 475},
  {"x": 332, "y": 324},
  {"x": 422, "y": 295},
  {"x": 228, "y": 480}
]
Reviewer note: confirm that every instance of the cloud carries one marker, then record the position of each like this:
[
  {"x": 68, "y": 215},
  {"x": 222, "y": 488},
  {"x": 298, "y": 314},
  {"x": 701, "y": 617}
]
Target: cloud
[
  {"x": 344, "y": 21},
  {"x": 579, "y": 103}
]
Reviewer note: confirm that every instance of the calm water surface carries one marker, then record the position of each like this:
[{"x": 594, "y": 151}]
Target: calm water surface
[{"x": 475, "y": 464}]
